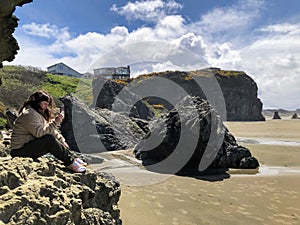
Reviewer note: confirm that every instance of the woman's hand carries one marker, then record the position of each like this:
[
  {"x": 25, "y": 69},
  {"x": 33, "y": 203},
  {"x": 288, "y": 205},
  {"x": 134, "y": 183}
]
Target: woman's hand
[{"x": 58, "y": 118}]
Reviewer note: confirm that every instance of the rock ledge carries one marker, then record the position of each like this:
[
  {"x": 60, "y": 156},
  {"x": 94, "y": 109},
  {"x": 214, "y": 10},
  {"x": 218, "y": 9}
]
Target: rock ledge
[{"x": 44, "y": 192}]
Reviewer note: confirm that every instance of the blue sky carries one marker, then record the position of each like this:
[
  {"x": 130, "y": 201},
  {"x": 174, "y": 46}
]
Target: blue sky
[{"x": 259, "y": 37}]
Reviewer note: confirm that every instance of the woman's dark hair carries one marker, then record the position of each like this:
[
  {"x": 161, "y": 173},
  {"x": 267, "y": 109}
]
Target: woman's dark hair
[{"x": 34, "y": 101}]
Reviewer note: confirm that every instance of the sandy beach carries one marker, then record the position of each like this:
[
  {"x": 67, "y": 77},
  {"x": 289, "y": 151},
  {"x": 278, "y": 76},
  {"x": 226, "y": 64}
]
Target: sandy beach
[{"x": 270, "y": 196}]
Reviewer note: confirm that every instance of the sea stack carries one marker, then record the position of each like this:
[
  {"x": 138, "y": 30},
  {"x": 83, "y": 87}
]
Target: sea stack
[
  {"x": 295, "y": 116},
  {"x": 276, "y": 116}
]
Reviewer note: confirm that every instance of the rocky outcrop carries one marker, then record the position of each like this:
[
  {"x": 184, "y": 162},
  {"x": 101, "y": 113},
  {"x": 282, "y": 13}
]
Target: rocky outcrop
[
  {"x": 276, "y": 116},
  {"x": 8, "y": 23},
  {"x": 92, "y": 131},
  {"x": 240, "y": 94},
  {"x": 107, "y": 96},
  {"x": 295, "y": 116},
  {"x": 190, "y": 137},
  {"x": 44, "y": 192},
  {"x": 4, "y": 150},
  {"x": 236, "y": 89}
]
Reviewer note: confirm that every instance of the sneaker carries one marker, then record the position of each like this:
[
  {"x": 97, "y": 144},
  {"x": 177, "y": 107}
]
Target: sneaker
[
  {"x": 77, "y": 167},
  {"x": 80, "y": 161}
]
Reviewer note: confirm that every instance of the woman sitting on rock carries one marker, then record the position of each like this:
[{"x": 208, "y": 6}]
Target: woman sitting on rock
[{"x": 35, "y": 133}]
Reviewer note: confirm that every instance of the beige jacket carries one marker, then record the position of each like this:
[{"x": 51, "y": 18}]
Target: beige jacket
[{"x": 30, "y": 125}]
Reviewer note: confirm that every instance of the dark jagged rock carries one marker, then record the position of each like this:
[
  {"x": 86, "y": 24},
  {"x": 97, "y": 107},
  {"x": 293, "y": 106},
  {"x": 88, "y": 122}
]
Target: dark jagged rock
[
  {"x": 190, "y": 133},
  {"x": 91, "y": 131},
  {"x": 295, "y": 116},
  {"x": 109, "y": 94},
  {"x": 45, "y": 193},
  {"x": 8, "y": 23},
  {"x": 276, "y": 116}
]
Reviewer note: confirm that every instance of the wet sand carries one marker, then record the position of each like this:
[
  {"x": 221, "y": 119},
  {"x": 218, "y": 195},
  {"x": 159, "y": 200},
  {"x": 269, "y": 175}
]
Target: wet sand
[{"x": 271, "y": 196}]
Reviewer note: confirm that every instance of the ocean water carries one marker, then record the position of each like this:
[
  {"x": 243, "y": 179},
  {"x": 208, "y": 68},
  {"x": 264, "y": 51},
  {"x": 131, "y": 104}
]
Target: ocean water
[
  {"x": 264, "y": 171},
  {"x": 268, "y": 142}
]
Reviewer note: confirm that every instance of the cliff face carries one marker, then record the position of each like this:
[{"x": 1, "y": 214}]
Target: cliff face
[
  {"x": 105, "y": 94},
  {"x": 8, "y": 23},
  {"x": 240, "y": 94},
  {"x": 236, "y": 89}
]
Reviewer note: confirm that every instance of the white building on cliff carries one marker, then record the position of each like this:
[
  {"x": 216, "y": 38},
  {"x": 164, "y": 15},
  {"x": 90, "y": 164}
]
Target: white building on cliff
[
  {"x": 63, "y": 69},
  {"x": 113, "y": 72}
]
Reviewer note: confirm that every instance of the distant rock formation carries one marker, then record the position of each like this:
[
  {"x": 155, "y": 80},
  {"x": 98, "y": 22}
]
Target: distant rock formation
[
  {"x": 8, "y": 23},
  {"x": 276, "y": 116},
  {"x": 193, "y": 125},
  {"x": 45, "y": 193},
  {"x": 238, "y": 89},
  {"x": 295, "y": 116},
  {"x": 93, "y": 131},
  {"x": 282, "y": 112}
]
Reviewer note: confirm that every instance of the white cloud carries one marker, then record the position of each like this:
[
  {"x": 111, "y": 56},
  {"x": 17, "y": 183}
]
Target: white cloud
[
  {"x": 274, "y": 62},
  {"x": 149, "y": 10},
  {"x": 33, "y": 54},
  {"x": 170, "y": 27},
  {"x": 46, "y": 31},
  {"x": 194, "y": 43},
  {"x": 226, "y": 22},
  {"x": 282, "y": 28},
  {"x": 223, "y": 56},
  {"x": 146, "y": 67}
]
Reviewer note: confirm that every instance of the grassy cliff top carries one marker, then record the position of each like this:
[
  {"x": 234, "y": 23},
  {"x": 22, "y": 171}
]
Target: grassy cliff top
[
  {"x": 18, "y": 82},
  {"x": 203, "y": 72},
  {"x": 185, "y": 75}
]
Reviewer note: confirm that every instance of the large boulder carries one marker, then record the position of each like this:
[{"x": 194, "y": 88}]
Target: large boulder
[
  {"x": 8, "y": 23},
  {"x": 191, "y": 137},
  {"x": 45, "y": 193},
  {"x": 92, "y": 131}
]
